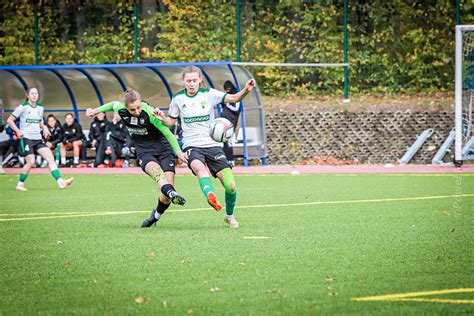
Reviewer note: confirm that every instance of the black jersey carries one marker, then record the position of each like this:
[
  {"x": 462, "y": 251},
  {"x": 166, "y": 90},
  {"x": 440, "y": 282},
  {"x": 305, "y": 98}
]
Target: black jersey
[
  {"x": 149, "y": 134},
  {"x": 231, "y": 111}
]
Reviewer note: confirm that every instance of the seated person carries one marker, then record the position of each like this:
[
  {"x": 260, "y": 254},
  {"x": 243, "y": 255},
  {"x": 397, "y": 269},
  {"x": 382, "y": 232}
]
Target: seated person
[
  {"x": 72, "y": 139},
  {"x": 118, "y": 142},
  {"x": 56, "y": 137},
  {"x": 9, "y": 146},
  {"x": 97, "y": 133}
]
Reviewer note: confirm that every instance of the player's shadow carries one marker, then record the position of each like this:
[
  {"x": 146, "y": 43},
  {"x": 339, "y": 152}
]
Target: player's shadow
[{"x": 175, "y": 227}]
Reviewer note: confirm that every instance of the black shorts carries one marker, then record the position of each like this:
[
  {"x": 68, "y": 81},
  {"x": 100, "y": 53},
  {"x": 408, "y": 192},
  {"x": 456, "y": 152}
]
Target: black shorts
[
  {"x": 30, "y": 146},
  {"x": 166, "y": 160},
  {"x": 213, "y": 157}
]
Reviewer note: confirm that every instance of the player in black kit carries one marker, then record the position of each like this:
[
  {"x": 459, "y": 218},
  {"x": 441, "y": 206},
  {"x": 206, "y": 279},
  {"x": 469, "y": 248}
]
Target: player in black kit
[{"x": 154, "y": 144}]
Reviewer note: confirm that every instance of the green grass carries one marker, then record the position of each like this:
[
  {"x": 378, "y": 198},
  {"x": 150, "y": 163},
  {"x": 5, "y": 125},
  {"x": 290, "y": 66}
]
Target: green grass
[{"x": 102, "y": 263}]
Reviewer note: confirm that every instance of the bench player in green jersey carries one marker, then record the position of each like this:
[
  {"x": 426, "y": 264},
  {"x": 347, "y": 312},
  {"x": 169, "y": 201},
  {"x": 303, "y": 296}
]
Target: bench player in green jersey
[
  {"x": 30, "y": 113},
  {"x": 154, "y": 144},
  {"x": 195, "y": 107}
]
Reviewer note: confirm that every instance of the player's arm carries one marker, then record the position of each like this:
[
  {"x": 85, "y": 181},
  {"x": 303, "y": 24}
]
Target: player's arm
[
  {"x": 111, "y": 106},
  {"x": 173, "y": 113},
  {"x": 11, "y": 121},
  {"x": 162, "y": 117},
  {"x": 164, "y": 129},
  {"x": 234, "y": 98},
  {"x": 43, "y": 126}
]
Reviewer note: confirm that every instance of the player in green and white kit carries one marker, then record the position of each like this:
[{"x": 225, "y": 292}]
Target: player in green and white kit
[
  {"x": 30, "y": 114},
  {"x": 195, "y": 107},
  {"x": 154, "y": 144}
]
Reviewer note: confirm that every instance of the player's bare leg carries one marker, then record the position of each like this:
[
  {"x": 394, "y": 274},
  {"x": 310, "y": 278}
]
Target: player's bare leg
[
  {"x": 207, "y": 188},
  {"x": 168, "y": 195},
  {"x": 29, "y": 161},
  {"x": 48, "y": 156}
]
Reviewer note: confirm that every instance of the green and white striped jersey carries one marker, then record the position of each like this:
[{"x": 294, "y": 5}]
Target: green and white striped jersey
[
  {"x": 196, "y": 113},
  {"x": 30, "y": 119}
]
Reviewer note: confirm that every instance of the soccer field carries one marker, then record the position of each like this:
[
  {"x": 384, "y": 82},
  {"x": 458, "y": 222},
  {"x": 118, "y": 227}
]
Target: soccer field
[{"x": 308, "y": 244}]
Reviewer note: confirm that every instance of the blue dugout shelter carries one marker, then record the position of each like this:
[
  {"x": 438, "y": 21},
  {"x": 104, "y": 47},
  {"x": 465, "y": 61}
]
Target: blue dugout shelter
[{"x": 73, "y": 88}]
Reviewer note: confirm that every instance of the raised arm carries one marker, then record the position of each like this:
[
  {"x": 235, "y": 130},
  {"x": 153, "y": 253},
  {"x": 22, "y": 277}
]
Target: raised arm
[
  {"x": 90, "y": 113},
  {"x": 162, "y": 117},
  {"x": 234, "y": 98},
  {"x": 164, "y": 129}
]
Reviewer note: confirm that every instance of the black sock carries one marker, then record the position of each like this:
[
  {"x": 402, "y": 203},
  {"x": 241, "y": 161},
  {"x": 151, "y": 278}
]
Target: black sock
[
  {"x": 162, "y": 207},
  {"x": 168, "y": 190}
]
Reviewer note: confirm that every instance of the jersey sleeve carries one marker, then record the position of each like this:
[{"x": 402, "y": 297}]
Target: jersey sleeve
[
  {"x": 162, "y": 128},
  {"x": 111, "y": 106},
  {"x": 173, "y": 111},
  {"x": 216, "y": 96},
  {"x": 18, "y": 111}
]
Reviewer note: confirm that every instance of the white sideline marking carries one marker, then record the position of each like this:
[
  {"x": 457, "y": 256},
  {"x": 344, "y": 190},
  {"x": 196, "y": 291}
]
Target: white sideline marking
[{"x": 87, "y": 214}]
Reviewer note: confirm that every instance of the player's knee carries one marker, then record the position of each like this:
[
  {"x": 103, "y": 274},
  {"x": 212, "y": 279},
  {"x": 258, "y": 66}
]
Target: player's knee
[
  {"x": 230, "y": 187},
  {"x": 200, "y": 171},
  {"x": 50, "y": 160}
]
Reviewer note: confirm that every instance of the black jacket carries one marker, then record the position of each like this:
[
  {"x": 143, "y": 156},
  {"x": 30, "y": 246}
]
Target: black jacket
[
  {"x": 56, "y": 134},
  {"x": 72, "y": 133},
  {"x": 231, "y": 111},
  {"x": 119, "y": 133},
  {"x": 98, "y": 129}
]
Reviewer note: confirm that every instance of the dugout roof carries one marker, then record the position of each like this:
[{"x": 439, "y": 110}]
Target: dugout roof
[{"x": 73, "y": 88}]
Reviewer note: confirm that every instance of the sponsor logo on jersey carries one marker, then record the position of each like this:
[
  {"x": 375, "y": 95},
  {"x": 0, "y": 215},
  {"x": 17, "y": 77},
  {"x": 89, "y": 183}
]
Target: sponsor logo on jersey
[
  {"x": 137, "y": 131},
  {"x": 33, "y": 120},
  {"x": 196, "y": 119},
  {"x": 133, "y": 121}
]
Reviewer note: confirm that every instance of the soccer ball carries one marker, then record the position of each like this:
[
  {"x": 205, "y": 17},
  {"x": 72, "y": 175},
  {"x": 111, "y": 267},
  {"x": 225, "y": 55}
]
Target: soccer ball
[{"x": 221, "y": 130}]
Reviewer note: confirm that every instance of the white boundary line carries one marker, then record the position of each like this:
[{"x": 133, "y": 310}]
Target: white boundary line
[{"x": 90, "y": 214}]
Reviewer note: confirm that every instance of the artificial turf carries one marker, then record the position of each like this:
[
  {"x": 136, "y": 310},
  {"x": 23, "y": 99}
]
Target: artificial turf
[{"x": 308, "y": 244}]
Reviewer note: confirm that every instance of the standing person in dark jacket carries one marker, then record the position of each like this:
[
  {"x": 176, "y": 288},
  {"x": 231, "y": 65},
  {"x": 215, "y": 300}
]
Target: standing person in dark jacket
[
  {"x": 97, "y": 133},
  {"x": 72, "y": 139},
  {"x": 118, "y": 141},
  {"x": 230, "y": 111},
  {"x": 56, "y": 137}
]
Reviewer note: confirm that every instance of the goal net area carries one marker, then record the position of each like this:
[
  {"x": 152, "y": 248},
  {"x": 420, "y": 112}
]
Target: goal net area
[{"x": 464, "y": 93}]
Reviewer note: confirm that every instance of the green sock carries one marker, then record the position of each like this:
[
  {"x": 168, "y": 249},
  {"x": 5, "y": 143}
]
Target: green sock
[
  {"x": 230, "y": 202},
  {"x": 206, "y": 186},
  {"x": 23, "y": 177},
  {"x": 56, "y": 174}
]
